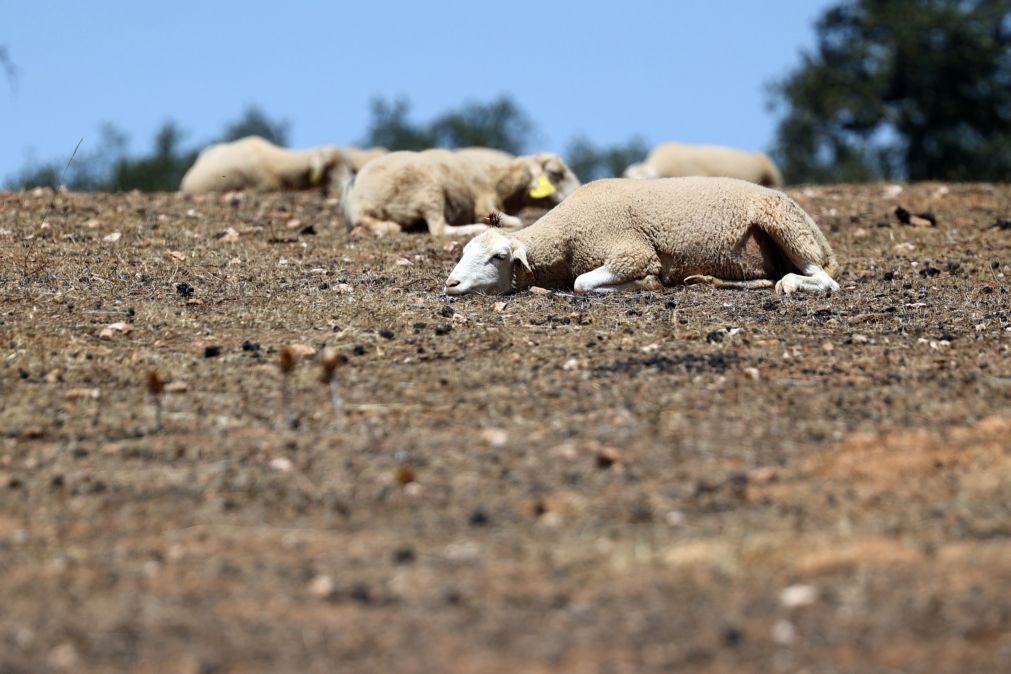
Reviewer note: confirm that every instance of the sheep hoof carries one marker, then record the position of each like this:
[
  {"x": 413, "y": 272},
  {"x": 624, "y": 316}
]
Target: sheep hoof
[{"x": 651, "y": 282}]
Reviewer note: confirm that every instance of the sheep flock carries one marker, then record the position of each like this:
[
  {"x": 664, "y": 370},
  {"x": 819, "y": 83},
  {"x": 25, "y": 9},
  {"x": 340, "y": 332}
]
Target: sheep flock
[{"x": 685, "y": 215}]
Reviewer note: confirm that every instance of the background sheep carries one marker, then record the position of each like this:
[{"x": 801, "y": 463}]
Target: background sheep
[
  {"x": 625, "y": 234},
  {"x": 451, "y": 191},
  {"x": 673, "y": 160},
  {"x": 253, "y": 163}
]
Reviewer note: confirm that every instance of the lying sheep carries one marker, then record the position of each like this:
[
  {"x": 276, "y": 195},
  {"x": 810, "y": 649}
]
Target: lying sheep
[
  {"x": 673, "y": 160},
  {"x": 253, "y": 163},
  {"x": 449, "y": 191},
  {"x": 350, "y": 161},
  {"x": 628, "y": 234},
  {"x": 357, "y": 157},
  {"x": 485, "y": 156}
]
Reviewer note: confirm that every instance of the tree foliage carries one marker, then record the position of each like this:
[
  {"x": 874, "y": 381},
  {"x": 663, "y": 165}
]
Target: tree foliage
[
  {"x": 500, "y": 124},
  {"x": 909, "y": 89},
  {"x": 591, "y": 162},
  {"x": 255, "y": 122},
  {"x": 109, "y": 168}
]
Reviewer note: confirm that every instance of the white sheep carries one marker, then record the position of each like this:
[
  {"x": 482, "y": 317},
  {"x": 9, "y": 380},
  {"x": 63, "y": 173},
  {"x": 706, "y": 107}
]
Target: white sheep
[
  {"x": 253, "y": 163},
  {"x": 357, "y": 157},
  {"x": 623, "y": 234},
  {"x": 450, "y": 191},
  {"x": 674, "y": 160}
]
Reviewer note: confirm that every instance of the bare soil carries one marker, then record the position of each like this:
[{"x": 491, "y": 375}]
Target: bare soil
[{"x": 689, "y": 480}]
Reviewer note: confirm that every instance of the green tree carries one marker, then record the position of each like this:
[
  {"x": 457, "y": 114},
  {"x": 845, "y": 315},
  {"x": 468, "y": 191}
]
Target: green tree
[
  {"x": 591, "y": 162},
  {"x": 908, "y": 89},
  {"x": 110, "y": 168},
  {"x": 391, "y": 128},
  {"x": 160, "y": 171},
  {"x": 500, "y": 124},
  {"x": 254, "y": 122},
  {"x": 86, "y": 167}
]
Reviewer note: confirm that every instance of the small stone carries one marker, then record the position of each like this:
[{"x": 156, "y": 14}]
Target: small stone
[
  {"x": 321, "y": 586},
  {"x": 571, "y": 365},
  {"x": 495, "y": 437},
  {"x": 112, "y": 238},
  {"x": 63, "y": 657},
  {"x": 281, "y": 464},
  {"x": 176, "y": 255},
  {"x": 798, "y": 595},
  {"x": 537, "y": 290},
  {"x": 478, "y": 518},
  {"x": 302, "y": 351},
  {"x": 608, "y": 457},
  {"x": 783, "y": 632},
  {"x": 83, "y": 393},
  {"x": 177, "y": 387},
  {"x": 674, "y": 518}
]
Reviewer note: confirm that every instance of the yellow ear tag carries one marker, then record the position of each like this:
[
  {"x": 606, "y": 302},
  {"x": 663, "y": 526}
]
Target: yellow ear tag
[
  {"x": 544, "y": 189},
  {"x": 315, "y": 175}
]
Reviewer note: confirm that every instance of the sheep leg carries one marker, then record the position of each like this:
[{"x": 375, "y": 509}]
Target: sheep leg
[
  {"x": 802, "y": 242},
  {"x": 509, "y": 221},
  {"x": 603, "y": 280},
  {"x": 457, "y": 230},
  {"x": 375, "y": 227},
  {"x": 814, "y": 280},
  {"x": 724, "y": 283},
  {"x": 437, "y": 225}
]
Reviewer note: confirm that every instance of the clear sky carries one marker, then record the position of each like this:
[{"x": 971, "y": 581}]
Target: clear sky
[{"x": 665, "y": 70}]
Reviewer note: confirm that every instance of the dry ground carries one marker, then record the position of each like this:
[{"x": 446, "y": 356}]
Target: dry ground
[{"x": 688, "y": 480}]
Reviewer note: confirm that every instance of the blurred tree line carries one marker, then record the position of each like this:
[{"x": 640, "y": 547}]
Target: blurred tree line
[
  {"x": 500, "y": 123},
  {"x": 894, "y": 89},
  {"x": 900, "y": 89},
  {"x": 110, "y": 168}
]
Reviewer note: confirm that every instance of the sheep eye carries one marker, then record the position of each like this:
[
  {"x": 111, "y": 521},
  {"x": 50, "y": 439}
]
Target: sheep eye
[{"x": 498, "y": 256}]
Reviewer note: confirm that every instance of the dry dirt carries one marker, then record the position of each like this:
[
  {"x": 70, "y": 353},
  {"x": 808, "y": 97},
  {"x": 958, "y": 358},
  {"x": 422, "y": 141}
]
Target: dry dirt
[{"x": 689, "y": 480}]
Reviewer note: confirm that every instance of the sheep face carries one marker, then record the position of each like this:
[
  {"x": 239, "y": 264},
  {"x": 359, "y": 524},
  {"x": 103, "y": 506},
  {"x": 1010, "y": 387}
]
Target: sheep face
[
  {"x": 551, "y": 180},
  {"x": 321, "y": 163},
  {"x": 488, "y": 265}
]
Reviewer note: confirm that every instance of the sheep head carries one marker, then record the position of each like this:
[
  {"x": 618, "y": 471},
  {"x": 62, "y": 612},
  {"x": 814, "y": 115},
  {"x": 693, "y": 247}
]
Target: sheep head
[
  {"x": 540, "y": 179},
  {"x": 489, "y": 264},
  {"x": 321, "y": 163}
]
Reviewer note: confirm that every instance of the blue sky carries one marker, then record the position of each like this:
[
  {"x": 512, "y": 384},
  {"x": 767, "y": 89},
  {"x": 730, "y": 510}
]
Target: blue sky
[{"x": 688, "y": 71}]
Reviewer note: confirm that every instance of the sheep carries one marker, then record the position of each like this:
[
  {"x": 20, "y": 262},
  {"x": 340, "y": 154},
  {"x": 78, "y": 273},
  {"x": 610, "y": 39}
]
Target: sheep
[
  {"x": 485, "y": 156},
  {"x": 622, "y": 234},
  {"x": 357, "y": 157},
  {"x": 253, "y": 163},
  {"x": 449, "y": 190},
  {"x": 674, "y": 160}
]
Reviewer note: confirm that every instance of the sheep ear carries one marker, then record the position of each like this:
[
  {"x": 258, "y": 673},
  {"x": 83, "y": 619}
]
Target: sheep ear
[
  {"x": 315, "y": 169},
  {"x": 520, "y": 255}
]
